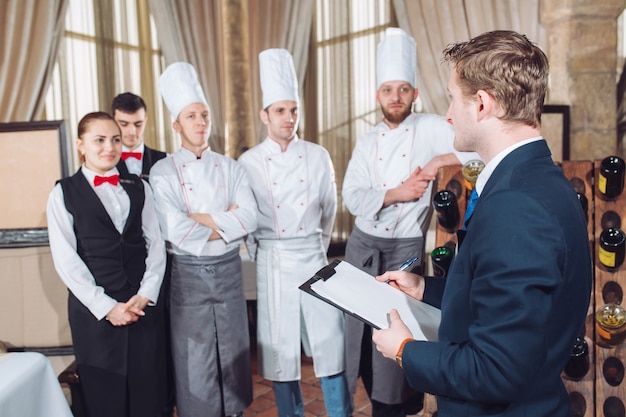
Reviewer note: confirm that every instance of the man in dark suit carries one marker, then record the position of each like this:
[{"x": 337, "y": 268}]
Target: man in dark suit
[
  {"x": 517, "y": 293},
  {"x": 129, "y": 111}
]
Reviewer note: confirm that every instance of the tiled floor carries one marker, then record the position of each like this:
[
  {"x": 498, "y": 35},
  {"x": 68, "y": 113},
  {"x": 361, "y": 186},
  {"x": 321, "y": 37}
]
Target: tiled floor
[{"x": 264, "y": 406}]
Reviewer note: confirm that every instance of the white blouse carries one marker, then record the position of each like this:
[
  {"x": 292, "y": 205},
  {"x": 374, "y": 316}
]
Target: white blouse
[{"x": 71, "y": 267}]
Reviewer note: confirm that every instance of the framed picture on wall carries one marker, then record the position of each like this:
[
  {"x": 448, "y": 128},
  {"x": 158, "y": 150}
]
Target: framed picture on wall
[
  {"x": 34, "y": 156},
  {"x": 555, "y": 123}
]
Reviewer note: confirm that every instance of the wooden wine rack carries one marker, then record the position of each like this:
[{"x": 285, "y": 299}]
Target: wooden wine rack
[{"x": 593, "y": 395}]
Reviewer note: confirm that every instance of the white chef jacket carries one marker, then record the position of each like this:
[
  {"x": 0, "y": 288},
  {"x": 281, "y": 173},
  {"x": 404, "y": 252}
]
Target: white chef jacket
[
  {"x": 184, "y": 184},
  {"x": 296, "y": 196},
  {"x": 134, "y": 165},
  {"x": 381, "y": 160},
  {"x": 71, "y": 267},
  {"x": 295, "y": 190}
]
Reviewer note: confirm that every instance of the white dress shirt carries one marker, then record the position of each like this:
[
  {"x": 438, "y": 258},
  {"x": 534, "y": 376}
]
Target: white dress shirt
[
  {"x": 134, "y": 165},
  {"x": 71, "y": 267},
  {"x": 183, "y": 184},
  {"x": 491, "y": 166},
  {"x": 381, "y": 160}
]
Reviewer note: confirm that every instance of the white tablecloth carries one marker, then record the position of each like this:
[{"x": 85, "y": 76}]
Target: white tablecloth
[{"x": 29, "y": 387}]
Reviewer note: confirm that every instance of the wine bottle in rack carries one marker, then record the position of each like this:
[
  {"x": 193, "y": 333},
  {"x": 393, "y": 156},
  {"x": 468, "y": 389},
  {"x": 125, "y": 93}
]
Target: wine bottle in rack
[
  {"x": 611, "y": 177},
  {"x": 611, "y": 247},
  {"x": 578, "y": 364},
  {"x": 447, "y": 208},
  {"x": 441, "y": 258},
  {"x": 584, "y": 203}
]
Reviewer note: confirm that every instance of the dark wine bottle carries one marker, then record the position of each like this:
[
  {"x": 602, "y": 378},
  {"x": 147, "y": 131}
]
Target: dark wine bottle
[
  {"x": 611, "y": 247},
  {"x": 578, "y": 364},
  {"x": 447, "y": 208},
  {"x": 611, "y": 177},
  {"x": 584, "y": 203},
  {"x": 441, "y": 258}
]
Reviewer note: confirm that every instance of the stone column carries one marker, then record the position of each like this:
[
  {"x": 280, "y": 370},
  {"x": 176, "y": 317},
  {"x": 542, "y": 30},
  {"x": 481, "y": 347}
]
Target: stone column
[
  {"x": 582, "y": 48},
  {"x": 239, "y": 128}
]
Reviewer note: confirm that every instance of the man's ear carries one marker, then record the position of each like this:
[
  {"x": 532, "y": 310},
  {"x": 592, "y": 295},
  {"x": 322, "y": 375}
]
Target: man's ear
[
  {"x": 486, "y": 105},
  {"x": 265, "y": 118},
  {"x": 176, "y": 126}
]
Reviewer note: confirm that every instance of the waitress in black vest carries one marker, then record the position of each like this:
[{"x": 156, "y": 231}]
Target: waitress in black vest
[{"x": 107, "y": 248}]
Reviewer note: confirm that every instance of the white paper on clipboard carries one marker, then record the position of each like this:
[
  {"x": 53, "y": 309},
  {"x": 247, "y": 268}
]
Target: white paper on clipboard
[{"x": 360, "y": 295}]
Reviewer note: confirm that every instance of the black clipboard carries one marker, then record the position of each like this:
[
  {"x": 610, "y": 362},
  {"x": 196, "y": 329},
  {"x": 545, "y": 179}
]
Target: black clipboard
[{"x": 358, "y": 294}]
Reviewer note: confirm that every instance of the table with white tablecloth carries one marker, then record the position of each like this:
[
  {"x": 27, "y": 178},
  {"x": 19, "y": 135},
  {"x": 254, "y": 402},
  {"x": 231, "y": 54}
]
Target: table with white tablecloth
[{"x": 29, "y": 387}]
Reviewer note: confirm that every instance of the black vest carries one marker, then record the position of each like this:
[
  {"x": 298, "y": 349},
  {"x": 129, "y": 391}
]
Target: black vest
[
  {"x": 117, "y": 261},
  {"x": 150, "y": 157}
]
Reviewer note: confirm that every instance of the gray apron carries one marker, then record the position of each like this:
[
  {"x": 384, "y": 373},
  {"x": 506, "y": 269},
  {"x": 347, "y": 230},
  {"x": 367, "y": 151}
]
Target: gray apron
[
  {"x": 376, "y": 255},
  {"x": 210, "y": 339}
]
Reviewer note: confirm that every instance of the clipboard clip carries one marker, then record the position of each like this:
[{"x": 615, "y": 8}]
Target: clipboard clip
[{"x": 328, "y": 271}]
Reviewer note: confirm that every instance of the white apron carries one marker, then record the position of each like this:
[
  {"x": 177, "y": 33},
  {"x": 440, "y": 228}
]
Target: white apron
[{"x": 287, "y": 314}]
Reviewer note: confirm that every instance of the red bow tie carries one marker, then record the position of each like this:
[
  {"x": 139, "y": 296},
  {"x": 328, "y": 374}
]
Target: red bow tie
[
  {"x": 126, "y": 155},
  {"x": 111, "y": 179}
]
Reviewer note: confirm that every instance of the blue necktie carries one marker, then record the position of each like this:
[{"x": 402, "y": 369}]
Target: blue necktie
[{"x": 470, "y": 207}]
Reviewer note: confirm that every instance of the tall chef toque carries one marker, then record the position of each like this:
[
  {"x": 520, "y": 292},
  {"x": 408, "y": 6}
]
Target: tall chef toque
[
  {"x": 396, "y": 57},
  {"x": 278, "y": 76},
  {"x": 180, "y": 87}
]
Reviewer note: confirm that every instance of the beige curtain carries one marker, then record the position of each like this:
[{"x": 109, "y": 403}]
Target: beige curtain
[
  {"x": 436, "y": 23},
  {"x": 278, "y": 24},
  {"x": 191, "y": 31},
  {"x": 28, "y": 55}
]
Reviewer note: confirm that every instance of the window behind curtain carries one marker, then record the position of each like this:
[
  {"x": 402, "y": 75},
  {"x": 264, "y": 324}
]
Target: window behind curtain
[
  {"x": 109, "y": 48},
  {"x": 345, "y": 37}
]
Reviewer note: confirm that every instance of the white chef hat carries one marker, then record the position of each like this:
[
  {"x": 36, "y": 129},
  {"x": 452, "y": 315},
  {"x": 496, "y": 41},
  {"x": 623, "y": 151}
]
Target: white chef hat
[
  {"x": 278, "y": 76},
  {"x": 180, "y": 87},
  {"x": 396, "y": 57}
]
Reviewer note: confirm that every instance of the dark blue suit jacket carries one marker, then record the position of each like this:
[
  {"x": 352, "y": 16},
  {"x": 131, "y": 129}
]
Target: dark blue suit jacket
[{"x": 515, "y": 298}]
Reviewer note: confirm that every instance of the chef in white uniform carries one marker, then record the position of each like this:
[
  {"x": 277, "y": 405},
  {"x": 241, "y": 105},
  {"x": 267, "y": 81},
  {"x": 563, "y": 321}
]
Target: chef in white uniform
[
  {"x": 205, "y": 209},
  {"x": 294, "y": 185},
  {"x": 387, "y": 187}
]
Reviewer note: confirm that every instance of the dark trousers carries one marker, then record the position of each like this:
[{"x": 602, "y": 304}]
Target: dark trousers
[{"x": 410, "y": 406}]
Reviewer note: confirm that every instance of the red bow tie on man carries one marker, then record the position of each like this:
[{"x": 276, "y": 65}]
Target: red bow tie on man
[{"x": 126, "y": 155}]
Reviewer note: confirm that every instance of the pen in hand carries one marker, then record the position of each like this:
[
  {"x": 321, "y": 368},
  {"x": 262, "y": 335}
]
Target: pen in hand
[{"x": 406, "y": 265}]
